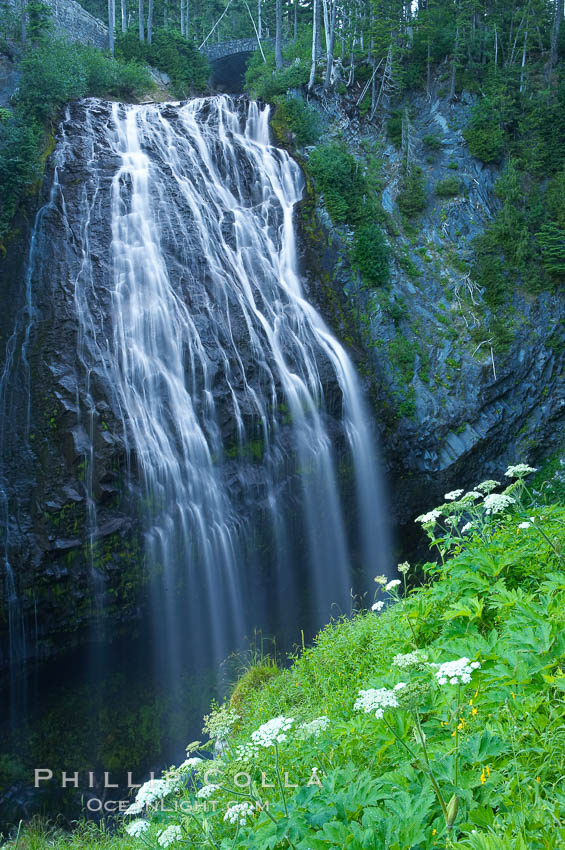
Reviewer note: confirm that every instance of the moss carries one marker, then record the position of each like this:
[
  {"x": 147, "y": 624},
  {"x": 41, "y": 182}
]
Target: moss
[{"x": 252, "y": 680}]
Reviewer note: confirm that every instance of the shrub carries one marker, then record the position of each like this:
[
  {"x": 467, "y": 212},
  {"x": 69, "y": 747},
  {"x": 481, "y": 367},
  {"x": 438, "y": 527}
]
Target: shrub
[
  {"x": 552, "y": 245},
  {"x": 448, "y": 187},
  {"x": 336, "y": 173},
  {"x": 394, "y": 128},
  {"x": 52, "y": 74},
  {"x": 293, "y": 115},
  {"x": 411, "y": 198},
  {"x": 484, "y": 134},
  {"x": 372, "y": 255},
  {"x": 263, "y": 81},
  {"x": 432, "y": 141}
]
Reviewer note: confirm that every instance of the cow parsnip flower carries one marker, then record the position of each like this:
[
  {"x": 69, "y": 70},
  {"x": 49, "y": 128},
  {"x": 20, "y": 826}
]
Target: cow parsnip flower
[
  {"x": 456, "y": 672},
  {"x": 207, "y": 790},
  {"x": 376, "y": 700},
  {"x": 239, "y": 813},
  {"x": 454, "y": 494},
  {"x": 520, "y": 470},
  {"x": 314, "y": 727},
  {"x": 137, "y": 827},
  {"x": 497, "y": 502},
  {"x": 273, "y": 732},
  {"x": 377, "y": 606},
  {"x": 169, "y": 836},
  {"x": 488, "y": 485},
  {"x": 392, "y": 584},
  {"x": 431, "y": 516}
]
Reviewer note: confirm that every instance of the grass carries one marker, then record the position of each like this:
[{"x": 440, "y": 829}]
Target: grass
[{"x": 476, "y": 765}]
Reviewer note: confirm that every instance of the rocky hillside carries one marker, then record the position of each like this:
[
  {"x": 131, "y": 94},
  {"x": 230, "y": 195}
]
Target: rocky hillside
[{"x": 457, "y": 385}]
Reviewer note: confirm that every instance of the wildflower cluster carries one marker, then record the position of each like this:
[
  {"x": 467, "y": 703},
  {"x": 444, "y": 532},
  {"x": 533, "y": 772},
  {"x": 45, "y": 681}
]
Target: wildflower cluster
[
  {"x": 169, "y": 836},
  {"x": 496, "y": 502},
  {"x": 190, "y": 763},
  {"x": 376, "y": 700},
  {"x": 407, "y": 660},
  {"x": 314, "y": 727},
  {"x": 456, "y": 672},
  {"x": 207, "y": 790},
  {"x": 137, "y": 827},
  {"x": 219, "y": 723},
  {"x": 239, "y": 813},
  {"x": 521, "y": 470},
  {"x": 273, "y": 732},
  {"x": 149, "y": 793},
  {"x": 378, "y": 605}
]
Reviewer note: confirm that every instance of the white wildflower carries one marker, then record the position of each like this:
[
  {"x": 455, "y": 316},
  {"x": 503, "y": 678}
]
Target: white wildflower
[
  {"x": 456, "y": 672},
  {"x": 399, "y": 686},
  {"x": 519, "y": 471},
  {"x": 524, "y": 525},
  {"x": 246, "y": 752},
  {"x": 314, "y": 727},
  {"x": 148, "y": 794},
  {"x": 454, "y": 494},
  {"x": 488, "y": 485},
  {"x": 472, "y": 496},
  {"x": 273, "y": 732},
  {"x": 409, "y": 659},
  {"x": 382, "y": 580},
  {"x": 425, "y": 519},
  {"x": 219, "y": 722},
  {"x": 375, "y": 700},
  {"x": 136, "y": 827},
  {"x": 496, "y": 502},
  {"x": 404, "y": 568},
  {"x": 377, "y": 606},
  {"x": 207, "y": 791},
  {"x": 239, "y": 813},
  {"x": 392, "y": 584},
  {"x": 188, "y": 764},
  {"x": 169, "y": 836},
  {"x": 467, "y": 527}
]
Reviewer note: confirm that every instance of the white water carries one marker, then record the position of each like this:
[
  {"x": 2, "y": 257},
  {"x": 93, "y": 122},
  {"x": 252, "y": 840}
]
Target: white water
[{"x": 237, "y": 403}]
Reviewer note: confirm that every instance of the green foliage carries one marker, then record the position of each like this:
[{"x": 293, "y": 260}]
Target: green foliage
[
  {"x": 411, "y": 198},
  {"x": 489, "y": 749},
  {"x": 448, "y": 187},
  {"x": 551, "y": 240},
  {"x": 432, "y": 141},
  {"x": 337, "y": 175},
  {"x": 39, "y": 19},
  {"x": 484, "y": 134},
  {"x": 19, "y": 164},
  {"x": 372, "y": 255},
  {"x": 295, "y": 116},
  {"x": 171, "y": 53},
  {"x": 263, "y": 81},
  {"x": 394, "y": 128}
]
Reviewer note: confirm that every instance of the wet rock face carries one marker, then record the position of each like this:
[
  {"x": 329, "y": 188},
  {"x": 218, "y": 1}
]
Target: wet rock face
[
  {"x": 70, "y": 488},
  {"x": 474, "y": 407}
]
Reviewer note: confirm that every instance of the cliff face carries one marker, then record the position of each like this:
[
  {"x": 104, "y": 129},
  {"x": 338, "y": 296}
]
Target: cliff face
[{"x": 453, "y": 404}]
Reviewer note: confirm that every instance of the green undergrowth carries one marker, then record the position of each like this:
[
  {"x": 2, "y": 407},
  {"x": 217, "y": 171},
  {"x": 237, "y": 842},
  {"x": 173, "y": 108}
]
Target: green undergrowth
[{"x": 365, "y": 742}]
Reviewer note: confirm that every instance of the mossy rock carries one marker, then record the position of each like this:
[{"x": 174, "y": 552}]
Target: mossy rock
[{"x": 252, "y": 680}]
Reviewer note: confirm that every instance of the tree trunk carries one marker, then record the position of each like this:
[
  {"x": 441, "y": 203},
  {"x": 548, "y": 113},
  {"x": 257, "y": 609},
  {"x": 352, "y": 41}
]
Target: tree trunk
[
  {"x": 111, "y": 25},
  {"x": 524, "y": 51},
  {"x": 315, "y": 17},
  {"x": 166, "y": 14},
  {"x": 182, "y": 17},
  {"x": 454, "y": 66},
  {"x": 23, "y": 21},
  {"x": 429, "y": 72},
  {"x": 141, "y": 13},
  {"x": 187, "y": 18},
  {"x": 150, "y": 22},
  {"x": 259, "y": 20},
  {"x": 331, "y": 44},
  {"x": 318, "y": 27},
  {"x": 278, "y": 36},
  {"x": 123, "y": 15},
  {"x": 295, "y": 4},
  {"x": 555, "y": 32}
]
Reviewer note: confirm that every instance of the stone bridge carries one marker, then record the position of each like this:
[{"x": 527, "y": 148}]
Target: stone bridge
[
  {"x": 215, "y": 52},
  {"x": 74, "y": 23}
]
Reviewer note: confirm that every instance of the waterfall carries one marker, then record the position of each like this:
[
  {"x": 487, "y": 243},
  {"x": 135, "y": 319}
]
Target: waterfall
[{"x": 249, "y": 452}]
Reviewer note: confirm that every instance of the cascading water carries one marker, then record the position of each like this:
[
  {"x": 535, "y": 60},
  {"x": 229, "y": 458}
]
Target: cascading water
[{"x": 249, "y": 455}]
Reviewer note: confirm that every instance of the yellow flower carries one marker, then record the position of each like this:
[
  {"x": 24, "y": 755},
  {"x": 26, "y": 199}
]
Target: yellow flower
[
  {"x": 538, "y": 778},
  {"x": 488, "y": 770},
  {"x": 475, "y": 711},
  {"x": 434, "y": 831},
  {"x": 483, "y": 777},
  {"x": 471, "y": 701}
]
